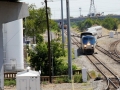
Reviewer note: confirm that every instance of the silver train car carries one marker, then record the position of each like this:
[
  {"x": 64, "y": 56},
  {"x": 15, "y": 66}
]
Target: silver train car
[
  {"x": 88, "y": 42},
  {"x": 96, "y": 29}
]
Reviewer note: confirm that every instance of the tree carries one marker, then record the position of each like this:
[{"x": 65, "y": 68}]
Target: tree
[
  {"x": 36, "y": 22},
  {"x": 39, "y": 58},
  {"x": 85, "y": 24},
  {"x": 29, "y": 22},
  {"x": 110, "y": 23},
  {"x": 54, "y": 26}
]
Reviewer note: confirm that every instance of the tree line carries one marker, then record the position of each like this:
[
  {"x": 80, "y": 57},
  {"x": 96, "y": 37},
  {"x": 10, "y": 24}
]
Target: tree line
[{"x": 108, "y": 23}]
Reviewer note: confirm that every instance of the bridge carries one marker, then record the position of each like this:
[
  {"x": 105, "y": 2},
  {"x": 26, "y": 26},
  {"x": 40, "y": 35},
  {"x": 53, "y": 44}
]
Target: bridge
[
  {"x": 77, "y": 19},
  {"x": 10, "y": 10}
]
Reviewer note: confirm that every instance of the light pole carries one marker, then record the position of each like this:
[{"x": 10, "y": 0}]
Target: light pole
[{"x": 80, "y": 11}]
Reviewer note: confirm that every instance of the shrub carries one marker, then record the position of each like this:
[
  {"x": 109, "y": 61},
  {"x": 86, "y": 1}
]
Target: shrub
[
  {"x": 66, "y": 79},
  {"x": 59, "y": 80}
]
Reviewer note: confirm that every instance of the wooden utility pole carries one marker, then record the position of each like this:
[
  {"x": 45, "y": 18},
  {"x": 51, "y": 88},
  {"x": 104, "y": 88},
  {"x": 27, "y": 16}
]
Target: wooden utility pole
[{"x": 49, "y": 56}]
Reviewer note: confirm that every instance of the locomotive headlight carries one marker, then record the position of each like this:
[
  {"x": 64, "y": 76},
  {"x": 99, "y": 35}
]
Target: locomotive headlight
[
  {"x": 88, "y": 43},
  {"x": 85, "y": 46},
  {"x": 92, "y": 46}
]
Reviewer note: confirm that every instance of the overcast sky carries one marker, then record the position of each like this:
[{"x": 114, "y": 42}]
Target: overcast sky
[{"x": 106, "y": 6}]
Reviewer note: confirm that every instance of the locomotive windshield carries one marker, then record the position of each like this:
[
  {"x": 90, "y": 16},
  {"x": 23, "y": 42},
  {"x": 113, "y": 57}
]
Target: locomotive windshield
[{"x": 89, "y": 39}]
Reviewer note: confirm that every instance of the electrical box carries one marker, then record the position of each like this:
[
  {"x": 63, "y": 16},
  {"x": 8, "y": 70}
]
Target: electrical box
[
  {"x": 111, "y": 34},
  {"x": 28, "y": 80},
  {"x": 84, "y": 74},
  {"x": 75, "y": 53}
]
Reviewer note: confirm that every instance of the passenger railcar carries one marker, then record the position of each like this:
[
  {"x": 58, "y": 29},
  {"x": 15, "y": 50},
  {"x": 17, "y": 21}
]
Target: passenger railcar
[
  {"x": 95, "y": 29},
  {"x": 88, "y": 42}
]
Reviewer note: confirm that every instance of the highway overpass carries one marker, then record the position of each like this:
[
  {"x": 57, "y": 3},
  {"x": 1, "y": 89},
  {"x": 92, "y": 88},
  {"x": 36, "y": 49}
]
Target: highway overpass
[
  {"x": 9, "y": 11},
  {"x": 77, "y": 19}
]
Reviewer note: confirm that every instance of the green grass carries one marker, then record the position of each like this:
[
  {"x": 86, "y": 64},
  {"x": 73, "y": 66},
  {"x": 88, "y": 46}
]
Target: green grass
[{"x": 9, "y": 82}]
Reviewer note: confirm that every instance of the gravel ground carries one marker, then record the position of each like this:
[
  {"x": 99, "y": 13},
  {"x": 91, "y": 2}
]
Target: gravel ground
[
  {"x": 81, "y": 62},
  {"x": 90, "y": 85}
]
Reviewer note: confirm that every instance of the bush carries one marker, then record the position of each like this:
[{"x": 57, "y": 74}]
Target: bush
[
  {"x": 66, "y": 79},
  {"x": 59, "y": 80},
  {"x": 9, "y": 82}
]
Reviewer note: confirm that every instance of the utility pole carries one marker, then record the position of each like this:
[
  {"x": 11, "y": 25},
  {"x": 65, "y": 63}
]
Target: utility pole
[
  {"x": 62, "y": 24},
  {"x": 69, "y": 41},
  {"x": 49, "y": 57}
]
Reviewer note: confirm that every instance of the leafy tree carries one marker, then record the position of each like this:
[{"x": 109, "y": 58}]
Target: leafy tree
[
  {"x": 54, "y": 26},
  {"x": 29, "y": 22},
  {"x": 39, "y": 38},
  {"x": 36, "y": 22},
  {"x": 39, "y": 58},
  {"x": 110, "y": 23},
  {"x": 97, "y": 22},
  {"x": 85, "y": 24},
  {"x": 40, "y": 20},
  {"x": 88, "y": 23}
]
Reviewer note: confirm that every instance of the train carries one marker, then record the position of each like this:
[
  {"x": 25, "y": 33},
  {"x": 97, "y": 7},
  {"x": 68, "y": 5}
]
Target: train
[
  {"x": 88, "y": 42},
  {"x": 60, "y": 26},
  {"x": 89, "y": 39},
  {"x": 96, "y": 30}
]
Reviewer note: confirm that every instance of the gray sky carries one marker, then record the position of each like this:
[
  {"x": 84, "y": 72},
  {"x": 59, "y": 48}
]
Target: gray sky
[{"x": 106, "y": 6}]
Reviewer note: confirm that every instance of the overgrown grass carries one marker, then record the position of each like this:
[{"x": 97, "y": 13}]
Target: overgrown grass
[
  {"x": 77, "y": 78},
  {"x": 65, "y": 79},
  {"x": 62, "y": 79},
  {"x": 9, "y": 82},
  {"x": 92, "y": 74}
]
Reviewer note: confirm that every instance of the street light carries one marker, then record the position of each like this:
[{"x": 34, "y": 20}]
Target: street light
[{"x": 80, "y": 11}]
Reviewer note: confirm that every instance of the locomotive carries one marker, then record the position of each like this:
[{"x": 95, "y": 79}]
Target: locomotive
[{"x": 88, "y": 42}]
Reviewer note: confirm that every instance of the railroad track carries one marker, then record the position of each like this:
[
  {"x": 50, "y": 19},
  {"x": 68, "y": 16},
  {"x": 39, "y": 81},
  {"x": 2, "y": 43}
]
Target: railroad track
[
  {"x": 113, "y": 48},
  {"x": 112, "y": 79},
  {"x": 112, "y": 52},
  {"x": 74, "y": 40}
]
